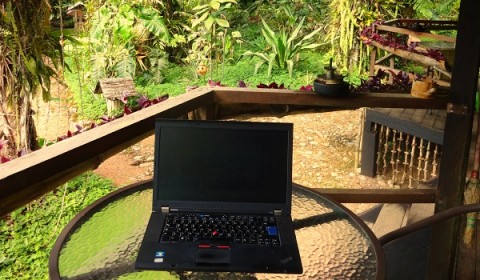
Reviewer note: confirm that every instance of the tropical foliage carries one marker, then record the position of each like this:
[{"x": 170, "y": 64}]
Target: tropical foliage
[
  {"x": 210, "y": 38},
  {"x": 284, "y": 47},
  {"x": 28, "y": 234},
  {"x": 344, "y": 21},
  {"x": 121, "y": 37},
  {"x": 30, "y": 55},
  {"x": 437, "y": 10}
]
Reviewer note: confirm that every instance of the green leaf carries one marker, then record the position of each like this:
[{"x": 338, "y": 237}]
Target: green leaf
[
  {"x": 31, "y": 65},
  {"x": 311, "y": 46},
  {"x": 262, "y": 56},
  {"x": 268, "y": 32},
  {"x": 271, "y": 61},
  {"x": 199, "y": 20},
  {"x": 295, "y": 32},
  {"x": 222, "y": 22},
  {"x": 125, "y": 67},
  {"x": 215, "y": 4},
  {"x": 197, "y": 8},
  {"x": 209, "y": 22},
  {"x": 270, "y": 39},
  {"x": 236, "y": 34},
  {"x": 290, "y": 67},
  {"x": 281, "y": 53},
  {"x": 309, "y": 36},
  {"x": 257, "y": 66}
]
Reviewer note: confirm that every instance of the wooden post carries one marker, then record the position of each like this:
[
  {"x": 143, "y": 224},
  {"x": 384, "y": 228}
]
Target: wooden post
[
  {"x": 373, "y": 57},
  {"x": 391, "y": 65},
  {"x": 369, "y": 149},
  {"x": 458, "y": 130},
  {"x": 203, "y": 113}
]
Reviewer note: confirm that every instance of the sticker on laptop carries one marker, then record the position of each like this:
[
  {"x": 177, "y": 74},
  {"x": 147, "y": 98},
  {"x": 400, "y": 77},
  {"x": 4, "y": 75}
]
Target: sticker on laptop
[
  {"x": 159, "y": 254},
  {"x": 158, "y": 260}
]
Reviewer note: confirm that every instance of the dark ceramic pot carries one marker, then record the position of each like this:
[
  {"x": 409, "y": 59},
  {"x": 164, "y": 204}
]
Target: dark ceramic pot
[{"x": 340, "y": 89}]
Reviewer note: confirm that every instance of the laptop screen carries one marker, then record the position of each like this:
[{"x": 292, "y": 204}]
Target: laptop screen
[{"x": 220, "y": 161}]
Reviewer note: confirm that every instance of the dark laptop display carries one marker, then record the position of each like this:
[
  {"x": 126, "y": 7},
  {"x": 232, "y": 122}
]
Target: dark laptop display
[{"x": 221, "y": 198}]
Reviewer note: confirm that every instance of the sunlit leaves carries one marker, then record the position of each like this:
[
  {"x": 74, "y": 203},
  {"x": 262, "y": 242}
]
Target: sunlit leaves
[{"x": 283, "y": 47}]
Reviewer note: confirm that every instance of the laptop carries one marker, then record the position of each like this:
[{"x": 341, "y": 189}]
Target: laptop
[{"x": 222, "y": 195}]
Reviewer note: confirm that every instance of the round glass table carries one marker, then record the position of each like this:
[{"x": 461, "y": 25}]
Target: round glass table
[{"x": 102, "y": 241}]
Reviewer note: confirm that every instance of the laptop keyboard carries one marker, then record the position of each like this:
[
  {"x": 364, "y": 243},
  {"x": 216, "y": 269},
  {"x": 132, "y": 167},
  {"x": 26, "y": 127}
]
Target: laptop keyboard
[{"x": 213, "y": 228}]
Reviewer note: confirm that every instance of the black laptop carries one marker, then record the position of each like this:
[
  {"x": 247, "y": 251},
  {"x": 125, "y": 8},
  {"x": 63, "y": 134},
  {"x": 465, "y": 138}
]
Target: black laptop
[{"x": 222, "y": 195}]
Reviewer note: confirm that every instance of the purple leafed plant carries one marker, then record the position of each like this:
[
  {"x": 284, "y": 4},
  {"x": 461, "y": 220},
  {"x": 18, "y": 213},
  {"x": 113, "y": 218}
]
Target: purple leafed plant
[
  {"x": 215, "y": 83},
  {"x": 3, "y": 159},
  {"x": 242, "y": 84},
  {"x": 272, "y": 85},
  {"x": 307, "y": 88},
  {"x": 142, "y": 102},
  {"x": 390, "y": 40},
  {"x": 401, "y": 82}
]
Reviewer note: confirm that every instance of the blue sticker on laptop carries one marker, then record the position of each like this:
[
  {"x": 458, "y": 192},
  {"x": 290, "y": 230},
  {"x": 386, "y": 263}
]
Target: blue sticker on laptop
[
  {"x": 272, "y": 230},
  {"x": 159, "y": 254}
]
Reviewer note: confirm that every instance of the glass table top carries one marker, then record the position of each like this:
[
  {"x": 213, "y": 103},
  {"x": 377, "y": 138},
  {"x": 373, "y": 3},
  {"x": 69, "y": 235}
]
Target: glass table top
[{"x": 102, "y": 241}]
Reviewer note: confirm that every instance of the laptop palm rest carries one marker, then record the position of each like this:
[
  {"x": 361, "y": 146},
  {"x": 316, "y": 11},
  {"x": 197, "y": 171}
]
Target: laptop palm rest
[{"x": 213, "y": 256}]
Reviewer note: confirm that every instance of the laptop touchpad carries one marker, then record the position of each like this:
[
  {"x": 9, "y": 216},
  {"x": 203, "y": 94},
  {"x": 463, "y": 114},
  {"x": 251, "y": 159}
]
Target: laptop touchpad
[{"x": 213, "y": 256}]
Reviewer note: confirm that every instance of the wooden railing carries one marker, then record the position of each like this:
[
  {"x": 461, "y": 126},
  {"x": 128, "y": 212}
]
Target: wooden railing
[{"x": 37, "y": 173}]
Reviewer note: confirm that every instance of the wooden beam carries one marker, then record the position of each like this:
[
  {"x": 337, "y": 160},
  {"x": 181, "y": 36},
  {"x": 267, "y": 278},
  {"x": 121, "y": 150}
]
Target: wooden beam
[
  {"x": 424, "y": 23},
  {"x": 382, "y": 59},
  {"x": 458, "y": 130},
  {"x": 298, "y": 97},
  {"x": 416, "y": 34},
  {"x": 30, "y": 176},
  {"x": 379, "y": 195},
  {"x": 423, "y": 59}
]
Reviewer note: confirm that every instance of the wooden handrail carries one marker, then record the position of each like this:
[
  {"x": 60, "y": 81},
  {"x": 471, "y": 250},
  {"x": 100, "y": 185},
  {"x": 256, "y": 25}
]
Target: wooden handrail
[
  {"x": 225, "y": 95},
  {"x": 26, "y": 178},
  {"x": 416, "y": 33},
  {"x": 30, "y": 176}
]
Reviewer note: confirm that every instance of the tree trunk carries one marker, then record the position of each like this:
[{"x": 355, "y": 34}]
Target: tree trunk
[
  {"x": 28, "y": 136},
  {"x": 6, "y": 130}
]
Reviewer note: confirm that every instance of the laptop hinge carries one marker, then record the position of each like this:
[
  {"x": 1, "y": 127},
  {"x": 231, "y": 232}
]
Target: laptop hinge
[
  {"x": 277, "y": 212},
  {"x": 165, "y": 209}
]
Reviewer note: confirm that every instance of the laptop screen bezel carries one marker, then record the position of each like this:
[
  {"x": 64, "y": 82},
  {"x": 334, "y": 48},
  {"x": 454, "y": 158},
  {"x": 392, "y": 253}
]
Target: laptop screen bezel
[{"x": 223, "y": 207}]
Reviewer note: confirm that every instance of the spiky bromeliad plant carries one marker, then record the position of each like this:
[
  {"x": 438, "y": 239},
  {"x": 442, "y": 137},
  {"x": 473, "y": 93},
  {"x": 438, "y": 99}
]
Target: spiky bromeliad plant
[{"x": 283, "y": 47}]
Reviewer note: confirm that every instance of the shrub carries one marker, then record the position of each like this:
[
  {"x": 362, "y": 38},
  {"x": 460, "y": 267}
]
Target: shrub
[{"x": 27, "y": 236}]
